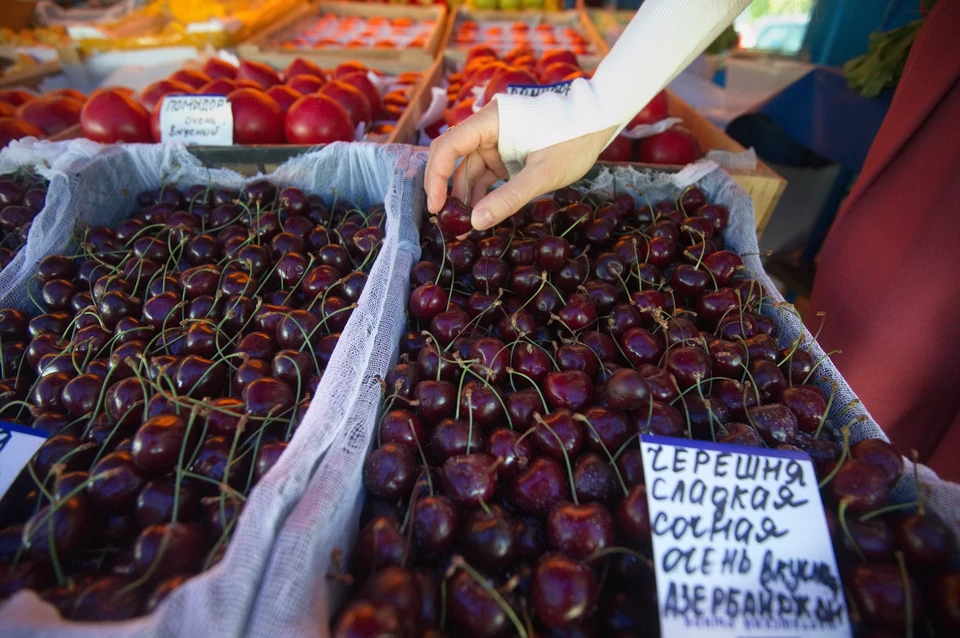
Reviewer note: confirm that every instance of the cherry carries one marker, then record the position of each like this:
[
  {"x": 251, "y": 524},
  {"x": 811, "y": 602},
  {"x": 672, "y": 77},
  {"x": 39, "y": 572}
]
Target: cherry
[
  {"x": 873, "y": 539},
  {"x": 115, "y": 482},
  {"x": 943, "y": 598},
  {"x": 926, "y": 542},
  {"x": 570, "y": 389},
  {"x": 436, "y": 525},
  {"x": 689, "y": 365},
  {"x": 454, "y": 218},
  {"x": 64, "y": 530},
  {"x": 578, "y": 313},
  {"x": 595, "y": 480},
  {"x": 580, "y": 530},
  {"x": 775, "y": 423},
  {"x": 641, "y": 347},
  {"x": 514, "y": 453},
  {"x": 488, "y": 537},
  {"x": 390, "y": 471},
  {"x": 168, "y": 549},
  {"x": 559, "y": 434},
  {"x": 563, "y": 591},
  {"x": 107, "y": 598},
  {"x": 469, "y": 479},
  {"x": 633, "y": 514},
  {"x": 472, "y": 610},
  {"x": 861, "y": 484},
  {"x": 380, "y": 544},
  {"x": 267, "y": 397},
  {"x": 741, "y": 434},
  {"x": 399, "y": 588},
  {"x": 447, "y": 326},
  {"x": 626, "y": 390},
  {"x": 880, "y": 595},
  {"x": 540, "y": 487},
  {"x": 661, "y": 419},
  {"x": 268, "y": 456},
  {"x": 551, "y": 253},
  {"x": 571, "y": 275},
  {"x": 521, "y": 406},
  {"x": 365, "y": 618},
  {"x": 531, "y": 361},
  {"x": 881, "y": 455},
  {"x": 155, "y": 502},
  {"x": 435, "y": 400}
]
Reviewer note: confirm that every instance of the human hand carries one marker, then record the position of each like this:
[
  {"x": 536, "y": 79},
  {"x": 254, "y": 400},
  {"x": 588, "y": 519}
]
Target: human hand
[{"x": 475, "y": 139}]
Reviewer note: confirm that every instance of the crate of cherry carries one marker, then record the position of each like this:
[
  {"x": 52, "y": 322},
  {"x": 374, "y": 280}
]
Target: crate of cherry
[
  {"x": 180, "y": 346},
  {"x": 499, "y": 489}
]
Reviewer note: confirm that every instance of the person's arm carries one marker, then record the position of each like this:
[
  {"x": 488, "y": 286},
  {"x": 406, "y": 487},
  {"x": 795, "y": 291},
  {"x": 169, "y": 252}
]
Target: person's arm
[
  {"x": 662, "y": 39},
  {"x": 545, "y": 142}
]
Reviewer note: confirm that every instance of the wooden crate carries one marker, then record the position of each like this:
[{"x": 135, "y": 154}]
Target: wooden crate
[
  {"x": 576, "y": 19},
  {"x": 763, "y": 184},
  {"x": 262, "y": 48},
  {"x": 32, "y": 77}
]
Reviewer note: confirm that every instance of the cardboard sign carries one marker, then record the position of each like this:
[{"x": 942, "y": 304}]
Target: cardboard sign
[
  {"x": 563, "y": 88},
  {"x": 740, "y": 542},
  {"x": 18, "y": 444},
  {"x": 197, "y": 119}
]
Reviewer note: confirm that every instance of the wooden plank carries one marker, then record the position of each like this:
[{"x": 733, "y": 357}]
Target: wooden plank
[
  {"x": 30, "y": 78},
  {"x": 262, "y": 49},
  {"x": 763, "y": 184}
]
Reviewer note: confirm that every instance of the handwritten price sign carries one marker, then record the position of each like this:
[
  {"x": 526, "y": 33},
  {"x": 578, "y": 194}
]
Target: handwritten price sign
[
  {"x": 197, "y": 119},
  {"x": 740, "y": 542},
  {"x": 18, "y": 444}
]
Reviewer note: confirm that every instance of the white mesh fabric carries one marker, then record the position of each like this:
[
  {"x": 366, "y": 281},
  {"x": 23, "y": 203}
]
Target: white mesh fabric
[
  {"x": 296, "y": 599},
  {"x": 219, "y": 601},
  {"x": 52, "y": 161}
]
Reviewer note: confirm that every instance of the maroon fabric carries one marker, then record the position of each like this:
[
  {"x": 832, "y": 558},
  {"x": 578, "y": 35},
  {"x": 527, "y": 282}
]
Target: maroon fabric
[{"x": 889, "y": 273}]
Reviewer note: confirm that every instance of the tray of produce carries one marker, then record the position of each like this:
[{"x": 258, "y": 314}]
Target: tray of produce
[
  {"x": 537, "y": 30},
  {"x": 179, "y": 326},
  {"x": 498, "y": 489},
  {"x": 161, "y": 23},
  {"x": 52, "y": 115},
  {"x": 302, "y": 104},
  {"x": 369, "y": 32}
]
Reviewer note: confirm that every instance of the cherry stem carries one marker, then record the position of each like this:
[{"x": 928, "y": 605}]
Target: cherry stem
[
  {"x": 907, "y": 595},
  {"x": 613, "y": 463},
  {"x": 842, "y": 515},
  {"x": 533, "y": 383},
  {"x": 566, "y": 457},
  {"x": 179, "y": 473},
  {"x": 887, "y": 509},
  {"x": 826, "y": 411},
  {"x": 457, "y": 562},
  {"x": 845, "y": 433},
  {"x": 915, "y": 457},
  {"x": 607, "y": 551},
  {"x": 818, "y": 363}
]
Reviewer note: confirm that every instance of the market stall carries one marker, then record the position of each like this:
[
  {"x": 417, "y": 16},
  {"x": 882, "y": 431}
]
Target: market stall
[{"x": 249, "y": 385}]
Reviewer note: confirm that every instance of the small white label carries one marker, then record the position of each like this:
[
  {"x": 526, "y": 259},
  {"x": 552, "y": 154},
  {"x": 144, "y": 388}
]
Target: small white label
[
  {"x": 197, "y": 119},
  {"x": 18, "y": 444},
  {"x": 85, "y": 32},
  {"x": 740, "y": 542},
  {"x": 563, "y": 88}
]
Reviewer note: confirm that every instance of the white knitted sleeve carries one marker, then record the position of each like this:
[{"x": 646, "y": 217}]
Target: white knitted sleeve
[{"x": 661, "y": 40}]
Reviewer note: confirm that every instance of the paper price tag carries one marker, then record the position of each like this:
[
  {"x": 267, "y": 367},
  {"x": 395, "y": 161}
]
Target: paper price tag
[
  {"x": 18, "y": 444},
  {"x": 197, "y": 119},
  {"x": 563, "y": 88},
  {"x": 740, "y": 542}
]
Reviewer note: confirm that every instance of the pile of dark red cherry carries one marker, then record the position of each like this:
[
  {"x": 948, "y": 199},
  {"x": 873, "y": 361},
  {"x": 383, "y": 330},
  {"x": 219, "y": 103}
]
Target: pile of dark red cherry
[
  {"x": 506, "y": 492},
  {"x": 175, "y": 357},
  {"x": 22, "y": 196}
]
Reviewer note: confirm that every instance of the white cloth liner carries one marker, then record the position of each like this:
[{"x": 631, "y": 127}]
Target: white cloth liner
[{"x": 103, "y": 190}]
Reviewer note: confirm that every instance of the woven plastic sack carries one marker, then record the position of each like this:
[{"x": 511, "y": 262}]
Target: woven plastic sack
[
  {"x": 219, "y": 601},
  {"x": 298, "y": 600}
]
